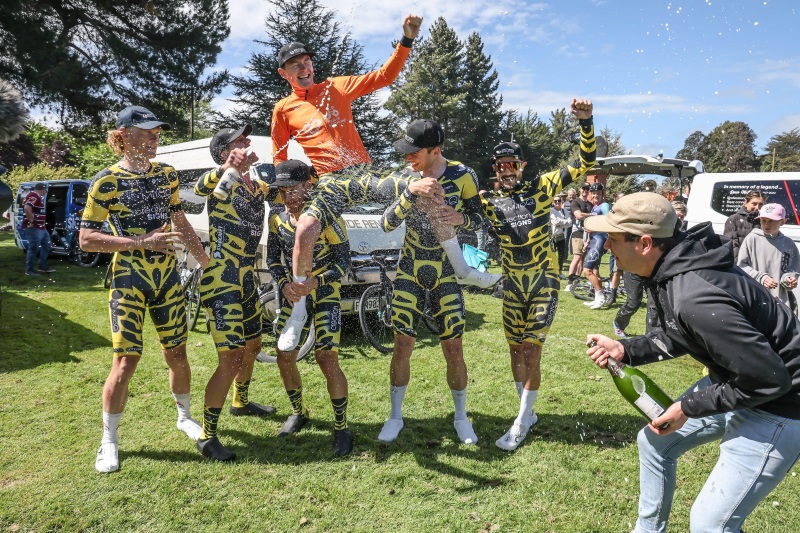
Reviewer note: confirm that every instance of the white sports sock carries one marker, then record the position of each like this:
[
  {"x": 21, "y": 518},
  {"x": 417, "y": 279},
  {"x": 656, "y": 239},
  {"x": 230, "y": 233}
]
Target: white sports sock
[
  {"x": 397, "y": 394},
  {"x": 182, "y": 402},
  {"x": 460, "y": 402},
  {"x": 110, "y": 425},
  {"x": 526, "y": 405},
  {"x": 299, "y": 309},
  {"x": 519, "y": 388},
  {"x": 456, "y": 257}
]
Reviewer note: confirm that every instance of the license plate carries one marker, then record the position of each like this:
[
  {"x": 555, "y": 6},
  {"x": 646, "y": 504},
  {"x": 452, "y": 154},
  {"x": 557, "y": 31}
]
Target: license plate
[{"x": 371, "y": 305}]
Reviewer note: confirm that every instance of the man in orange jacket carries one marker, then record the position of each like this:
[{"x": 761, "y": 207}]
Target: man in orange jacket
[{"x": 319, "y": 117}]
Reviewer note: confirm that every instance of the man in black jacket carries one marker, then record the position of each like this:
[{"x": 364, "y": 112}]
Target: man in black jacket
[{"x": 749, "y": 341}]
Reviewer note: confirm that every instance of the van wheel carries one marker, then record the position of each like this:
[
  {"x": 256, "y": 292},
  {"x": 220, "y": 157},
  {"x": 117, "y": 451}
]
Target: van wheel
[{"x": 83, "y": 259}]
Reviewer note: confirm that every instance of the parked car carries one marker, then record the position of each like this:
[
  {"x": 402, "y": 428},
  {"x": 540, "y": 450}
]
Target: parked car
[
  {"x": 367, "y": 238},
  {"x": 64, "y": 202}
]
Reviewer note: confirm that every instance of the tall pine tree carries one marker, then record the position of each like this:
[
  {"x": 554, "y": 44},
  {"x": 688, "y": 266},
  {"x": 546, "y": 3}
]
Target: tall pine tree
[
  {"x": 479, "y": 130},
  {"x": 336, "y": 54},
  {"x": 431, "y": 85}
]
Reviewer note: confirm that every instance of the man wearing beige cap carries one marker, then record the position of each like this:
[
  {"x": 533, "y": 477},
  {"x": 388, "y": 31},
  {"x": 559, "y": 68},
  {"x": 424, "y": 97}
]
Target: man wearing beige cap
[{"x": 710, "y": 309}]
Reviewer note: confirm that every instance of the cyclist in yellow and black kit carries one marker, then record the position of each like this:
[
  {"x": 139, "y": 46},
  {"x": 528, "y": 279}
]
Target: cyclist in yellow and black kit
[
  {"x": 424, "y": 265},
  {"x": 322, "y": 288},
  {"x": 140, "y": 201},
  {"x": 228, "y": 286},
  {"x": 520, "y": 215}
]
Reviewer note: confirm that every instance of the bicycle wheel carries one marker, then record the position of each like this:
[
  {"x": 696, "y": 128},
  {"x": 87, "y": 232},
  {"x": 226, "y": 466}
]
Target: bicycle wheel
[
  {"x": 268, "y": 341},
  {"x": 375, "y": 316},
  {"x": 81, "y": 258},
  {"x": 193, "y": 299},
  {"x": 109, "y": 275},
  {"x": 582, "y": 290}
]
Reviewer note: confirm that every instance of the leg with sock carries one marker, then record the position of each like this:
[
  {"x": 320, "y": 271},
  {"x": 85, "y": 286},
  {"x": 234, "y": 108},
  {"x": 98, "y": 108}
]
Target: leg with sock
[
  {"x": 180, "y": 381},
  {"x": 457, "y": 380},
  {"x": 293, "y": 384},
  {"x": 328, "y": 361},
  {"x": 525, "y": 365},
  {"x": 399, "y": 376},
  {"x": 115, "y": 394},
  {"x": 229, "y": 363}
]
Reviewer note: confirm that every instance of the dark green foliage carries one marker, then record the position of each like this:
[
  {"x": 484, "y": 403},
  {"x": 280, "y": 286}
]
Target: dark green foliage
[
  {"x": 786, "y": 147},
  {"x": 86, "y": 60}
]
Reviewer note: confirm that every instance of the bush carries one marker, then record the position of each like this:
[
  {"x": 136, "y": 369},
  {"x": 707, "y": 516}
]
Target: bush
[{"x": 39, "y": 172}]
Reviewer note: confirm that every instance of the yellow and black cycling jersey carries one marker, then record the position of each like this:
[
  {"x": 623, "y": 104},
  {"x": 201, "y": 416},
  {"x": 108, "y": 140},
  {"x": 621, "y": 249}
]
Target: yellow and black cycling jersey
[
  {"x": 331, "y": 251},
  {"x": 460, "y": 192},
  {"x": 521, "y": 218},
  {"x": 135, "y": 204},
  {"x": 235, "y": 224}
]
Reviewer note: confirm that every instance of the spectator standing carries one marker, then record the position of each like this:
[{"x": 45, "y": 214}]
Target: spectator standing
[
  {"x": 561, "y": 222},
  {"x": 580, "y": 208},
  {"x": 742, "y": 222},
  {"x": 770, "y": 257},
  {"x": 36, "y": 233}
]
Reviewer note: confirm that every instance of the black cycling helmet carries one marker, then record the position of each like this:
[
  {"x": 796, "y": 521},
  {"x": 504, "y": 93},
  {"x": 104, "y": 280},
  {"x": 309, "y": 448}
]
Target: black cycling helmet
[{"x": 597, "y": 186}]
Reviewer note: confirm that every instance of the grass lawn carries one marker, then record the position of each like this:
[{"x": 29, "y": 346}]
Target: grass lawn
[{"x": 576, "y": 472}]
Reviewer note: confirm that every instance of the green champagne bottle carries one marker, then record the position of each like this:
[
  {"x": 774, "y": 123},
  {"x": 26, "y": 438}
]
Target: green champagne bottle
[{"x": 639, "y": 390}]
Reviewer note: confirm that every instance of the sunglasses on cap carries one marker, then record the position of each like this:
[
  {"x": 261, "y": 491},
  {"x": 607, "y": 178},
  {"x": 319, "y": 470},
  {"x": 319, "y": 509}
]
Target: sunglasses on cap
[{"x": 507, "y": 165}]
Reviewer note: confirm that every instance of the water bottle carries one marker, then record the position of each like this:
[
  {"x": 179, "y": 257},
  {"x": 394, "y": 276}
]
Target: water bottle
[{"x": 230, "y": 178}]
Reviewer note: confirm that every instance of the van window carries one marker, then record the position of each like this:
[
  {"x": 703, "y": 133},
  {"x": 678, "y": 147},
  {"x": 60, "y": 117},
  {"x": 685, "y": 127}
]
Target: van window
[
  {"x": 80, "y": 191},
  {"x": 192, "y": 203},
  {"x": 728, "y": 196},
  {"x": 22, "y": 193}
]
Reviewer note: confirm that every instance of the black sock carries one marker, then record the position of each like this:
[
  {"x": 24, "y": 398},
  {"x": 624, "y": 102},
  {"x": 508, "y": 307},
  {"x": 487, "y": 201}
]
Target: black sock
[{"x": 339, "y": 413}]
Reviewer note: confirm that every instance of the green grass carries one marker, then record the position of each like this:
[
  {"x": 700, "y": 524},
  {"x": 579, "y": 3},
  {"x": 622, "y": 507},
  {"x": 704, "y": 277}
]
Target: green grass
[{"x": 576, "y": 472}]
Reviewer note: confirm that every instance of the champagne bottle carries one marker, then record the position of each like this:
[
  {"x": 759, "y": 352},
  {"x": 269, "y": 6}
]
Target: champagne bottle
[{"x": 639, "y": 390}]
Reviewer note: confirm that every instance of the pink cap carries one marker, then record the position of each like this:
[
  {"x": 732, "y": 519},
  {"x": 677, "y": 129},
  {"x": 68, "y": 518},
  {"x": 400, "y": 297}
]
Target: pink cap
[{"x": 772, "y": 212}]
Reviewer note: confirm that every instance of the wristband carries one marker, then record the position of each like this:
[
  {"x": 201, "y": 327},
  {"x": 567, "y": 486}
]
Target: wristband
[{"x": 406, "y": 41}]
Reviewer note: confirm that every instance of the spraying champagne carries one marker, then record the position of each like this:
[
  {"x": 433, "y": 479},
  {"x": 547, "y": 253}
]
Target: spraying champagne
[{"x": 641, "y": 391}]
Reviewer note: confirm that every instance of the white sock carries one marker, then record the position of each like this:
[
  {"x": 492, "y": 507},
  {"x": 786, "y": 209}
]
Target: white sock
[
  {"x": 110, "y": 425},
  {"x": 299, "y": 308},
  {"x": 519, "y": 388},
  {"x": 396, "y": 394},
  {"x": 182, "y": 403},
  {"x": 456, "y": 257},
  {"x": 460, "y": 402},
  {"x": 526, "y": 402}
]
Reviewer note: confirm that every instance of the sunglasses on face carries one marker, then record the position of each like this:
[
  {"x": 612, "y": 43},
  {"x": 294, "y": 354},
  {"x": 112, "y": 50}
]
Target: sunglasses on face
[{"x": 508, "y": 165}]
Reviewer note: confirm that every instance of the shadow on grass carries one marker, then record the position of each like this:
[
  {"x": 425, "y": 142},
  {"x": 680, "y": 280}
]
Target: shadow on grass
[
  {"x": 431, "y": 441},
  {"x": 35, "y": 334}
]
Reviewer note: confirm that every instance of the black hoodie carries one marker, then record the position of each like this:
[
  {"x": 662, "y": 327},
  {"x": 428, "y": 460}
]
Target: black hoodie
[{"x": 712, "y": 310}]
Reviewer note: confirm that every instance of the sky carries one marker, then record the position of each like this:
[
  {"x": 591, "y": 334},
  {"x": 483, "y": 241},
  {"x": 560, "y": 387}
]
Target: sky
[{"x": 656, "y": 70}]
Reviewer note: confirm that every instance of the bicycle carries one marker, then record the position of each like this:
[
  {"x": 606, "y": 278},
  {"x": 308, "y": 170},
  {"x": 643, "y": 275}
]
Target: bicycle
[
  {"x": 269, "y": 297},
  {"x": 582, "y": 289},
  {"x": 375, "y": 306},
  {"x": 190, "y": 281}
]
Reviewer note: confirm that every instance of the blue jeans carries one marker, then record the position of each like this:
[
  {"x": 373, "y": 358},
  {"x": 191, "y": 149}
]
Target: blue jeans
[
  {"x": 756, "y": 451},
  {"x": 39, "y": 244}
]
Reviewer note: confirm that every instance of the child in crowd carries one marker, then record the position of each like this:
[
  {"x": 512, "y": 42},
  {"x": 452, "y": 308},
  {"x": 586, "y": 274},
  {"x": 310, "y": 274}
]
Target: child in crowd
[{"x": 771, "y": 257}]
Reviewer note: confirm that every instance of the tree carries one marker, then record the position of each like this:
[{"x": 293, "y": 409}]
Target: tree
[
  {"x": 431, "y": 85},
  {"x": 786, "y": 147},
  {"x": 308, "y": 22},
  {"x": 541, "y": 148},
  {"x": 478, "y": 131},
  {"x": 85, "y": 60},
  {"x": 13, "y": 113},
  {"x": 730, "y": 147}
]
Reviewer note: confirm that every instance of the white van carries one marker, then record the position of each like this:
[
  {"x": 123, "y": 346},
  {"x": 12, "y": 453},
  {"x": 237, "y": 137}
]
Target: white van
[
  {"x": 716, "y": 196},
  {"x": 192, "y": 159}
]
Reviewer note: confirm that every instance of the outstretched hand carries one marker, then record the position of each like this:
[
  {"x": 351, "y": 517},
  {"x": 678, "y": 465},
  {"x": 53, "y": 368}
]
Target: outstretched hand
[
  {"x": 411, "y": 26},
  {"x": 581, "y": 108}
]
